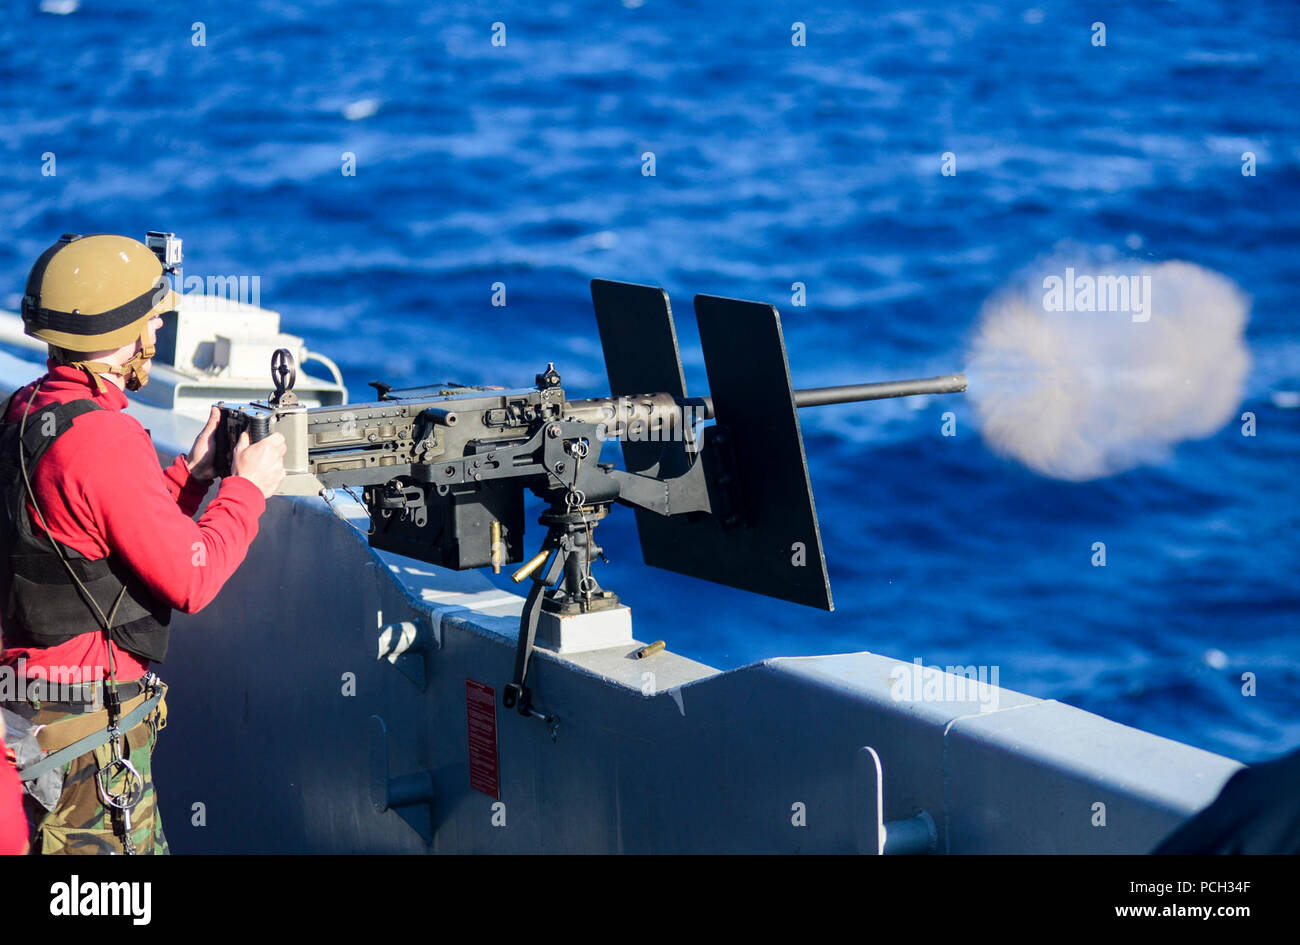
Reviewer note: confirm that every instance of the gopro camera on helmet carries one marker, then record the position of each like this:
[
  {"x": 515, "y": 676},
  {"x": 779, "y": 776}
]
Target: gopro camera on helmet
[{"x": 166, "y": 247}]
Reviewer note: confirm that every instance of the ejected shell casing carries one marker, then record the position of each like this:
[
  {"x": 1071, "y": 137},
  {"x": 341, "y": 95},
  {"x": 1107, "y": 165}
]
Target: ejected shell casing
[
  {"x": 530, "y": 567},
  {"x": 498, "y": 552}
]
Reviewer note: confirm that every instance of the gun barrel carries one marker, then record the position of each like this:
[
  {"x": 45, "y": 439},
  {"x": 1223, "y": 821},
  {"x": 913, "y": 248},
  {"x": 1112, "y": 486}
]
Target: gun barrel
[{"x": 852, "y": 393}]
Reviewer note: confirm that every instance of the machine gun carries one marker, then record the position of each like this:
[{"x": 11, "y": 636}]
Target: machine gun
[{"x": 443, "y": 468}]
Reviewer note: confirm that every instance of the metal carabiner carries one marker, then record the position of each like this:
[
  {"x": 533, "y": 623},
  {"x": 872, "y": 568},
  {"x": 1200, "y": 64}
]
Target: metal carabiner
[
  {"x": 124, "y": 801},
  {"x": 133, "y": 789}
]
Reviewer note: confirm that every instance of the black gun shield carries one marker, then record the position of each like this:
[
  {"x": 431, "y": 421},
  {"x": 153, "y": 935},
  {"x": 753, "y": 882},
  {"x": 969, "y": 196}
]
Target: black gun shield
[
  {"x": 641, "y": 357},
  {"x": 640, "y": 343},
  {"x": 777, "y": 550}
]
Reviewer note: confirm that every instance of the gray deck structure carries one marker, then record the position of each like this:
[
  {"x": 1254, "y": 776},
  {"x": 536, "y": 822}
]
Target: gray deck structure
[{"x": 290, "y": 732}]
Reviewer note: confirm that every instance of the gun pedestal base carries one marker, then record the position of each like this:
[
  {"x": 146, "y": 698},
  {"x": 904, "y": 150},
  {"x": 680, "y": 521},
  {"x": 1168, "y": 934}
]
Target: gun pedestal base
[{"x": 579, "y": 633}]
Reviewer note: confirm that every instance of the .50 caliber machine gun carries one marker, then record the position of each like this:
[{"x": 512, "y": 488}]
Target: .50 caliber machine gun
[{"x": 444, "y": 468}]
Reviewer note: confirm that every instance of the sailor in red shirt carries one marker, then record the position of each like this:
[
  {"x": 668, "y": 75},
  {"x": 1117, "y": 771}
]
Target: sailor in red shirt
[{"x": 84, "y": 616}]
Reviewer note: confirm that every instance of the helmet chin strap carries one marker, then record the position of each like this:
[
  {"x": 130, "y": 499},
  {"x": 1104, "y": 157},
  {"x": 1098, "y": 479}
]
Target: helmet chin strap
[{"x": 134, "y": 372}]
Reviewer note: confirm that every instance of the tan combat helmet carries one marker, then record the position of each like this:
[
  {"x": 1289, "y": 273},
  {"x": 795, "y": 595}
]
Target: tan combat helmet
[{"x": 93, "y": 294}]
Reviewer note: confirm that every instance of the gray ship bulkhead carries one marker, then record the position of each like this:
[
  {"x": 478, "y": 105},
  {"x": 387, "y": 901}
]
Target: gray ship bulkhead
[{"x": 288, "y": 733}]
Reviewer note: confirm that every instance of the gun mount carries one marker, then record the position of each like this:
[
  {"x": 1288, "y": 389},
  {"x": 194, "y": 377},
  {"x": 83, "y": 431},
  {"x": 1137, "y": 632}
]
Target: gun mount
[{"x": 443, "y": 468}]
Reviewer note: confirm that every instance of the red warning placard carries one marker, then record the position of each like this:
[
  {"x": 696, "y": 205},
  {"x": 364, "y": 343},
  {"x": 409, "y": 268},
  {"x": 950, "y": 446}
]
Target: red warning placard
[{"x": 481, "y": 709}]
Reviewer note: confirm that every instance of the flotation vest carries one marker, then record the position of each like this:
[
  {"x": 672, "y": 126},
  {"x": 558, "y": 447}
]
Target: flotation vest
[{"x": 41, "y": 604}]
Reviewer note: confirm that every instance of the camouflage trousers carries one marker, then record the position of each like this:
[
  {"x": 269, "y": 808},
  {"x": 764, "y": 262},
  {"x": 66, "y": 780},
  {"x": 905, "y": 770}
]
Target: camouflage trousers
[{"x": 80, "y": 823}]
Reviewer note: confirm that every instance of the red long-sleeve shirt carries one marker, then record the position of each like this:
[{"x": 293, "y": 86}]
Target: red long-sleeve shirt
[
  {"x": 102, "y": 491},
  {"x": 13, "y": 822}
]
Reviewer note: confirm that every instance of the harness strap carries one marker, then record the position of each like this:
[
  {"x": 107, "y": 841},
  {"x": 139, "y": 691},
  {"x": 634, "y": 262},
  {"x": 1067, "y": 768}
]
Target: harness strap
[
  {"x": 37, "y": 438},
  {"x": 94, "y": 739}
]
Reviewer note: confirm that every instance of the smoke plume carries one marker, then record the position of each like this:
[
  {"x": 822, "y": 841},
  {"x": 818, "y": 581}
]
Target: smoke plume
[{"x": 1087, "y": 370}]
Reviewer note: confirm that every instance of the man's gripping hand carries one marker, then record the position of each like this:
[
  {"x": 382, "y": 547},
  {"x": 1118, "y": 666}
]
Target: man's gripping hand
[
  {"x": 203, "y": 455},
  {"x": 261, "y": 462}
]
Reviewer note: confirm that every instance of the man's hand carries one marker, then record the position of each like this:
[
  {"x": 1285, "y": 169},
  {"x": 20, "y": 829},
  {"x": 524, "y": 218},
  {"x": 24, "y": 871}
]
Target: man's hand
[
  {"x": 203, "y": 455},
  {"x": 262, "y": 462}
]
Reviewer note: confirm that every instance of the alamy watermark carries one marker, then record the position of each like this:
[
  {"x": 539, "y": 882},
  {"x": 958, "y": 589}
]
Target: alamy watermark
[
  {"x": 636, "y": 420},
  {"x": 78, "y": 897},
  {"x": 39, "y": 684},
  {"x": 1085, "y": 292},
  {"x": 916, "y": 682},
  {"x": 199, "y": 291}
]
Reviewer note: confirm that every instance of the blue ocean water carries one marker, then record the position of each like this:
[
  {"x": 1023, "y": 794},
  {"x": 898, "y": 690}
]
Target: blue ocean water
[{"x": 522, "y": 164}]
